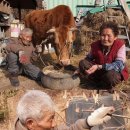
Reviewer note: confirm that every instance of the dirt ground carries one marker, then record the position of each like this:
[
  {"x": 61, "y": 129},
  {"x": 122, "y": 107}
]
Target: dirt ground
[{"x": 9, "y": 96}]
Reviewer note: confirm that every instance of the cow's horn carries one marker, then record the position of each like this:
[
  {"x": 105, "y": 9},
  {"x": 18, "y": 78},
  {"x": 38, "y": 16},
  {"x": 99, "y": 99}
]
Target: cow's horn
[
  {"x": 51, "y": 30},
  {"x": 73, "y": 29}
]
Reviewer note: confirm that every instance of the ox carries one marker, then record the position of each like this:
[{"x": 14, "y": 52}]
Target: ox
[{"x": 57, "y": 22}]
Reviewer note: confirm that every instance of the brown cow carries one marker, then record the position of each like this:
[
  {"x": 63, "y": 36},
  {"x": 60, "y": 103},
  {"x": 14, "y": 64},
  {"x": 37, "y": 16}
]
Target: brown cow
[{"x": 58, "y": 21}]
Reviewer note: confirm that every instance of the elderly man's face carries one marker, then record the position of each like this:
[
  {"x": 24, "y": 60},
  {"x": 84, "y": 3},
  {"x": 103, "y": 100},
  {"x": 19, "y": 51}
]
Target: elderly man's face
[
  {"x": 46, "y": 123},
  {"x": 26, "y": 39}
]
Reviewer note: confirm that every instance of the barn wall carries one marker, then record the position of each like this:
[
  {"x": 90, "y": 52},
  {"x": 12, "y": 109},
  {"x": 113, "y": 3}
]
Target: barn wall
[{"x": 72, "y": 3}]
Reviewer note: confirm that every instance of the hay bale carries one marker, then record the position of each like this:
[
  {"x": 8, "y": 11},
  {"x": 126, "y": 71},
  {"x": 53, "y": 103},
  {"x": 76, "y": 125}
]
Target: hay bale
[
  {"x": 77, "y": 43},
  {"x": 98, "y": 18},
  {"x": 88, "y": 35},
  {"x": 119, "y": 20},
  {"x": 110, "y": 12},
  {"x": 94, "y": 21}
]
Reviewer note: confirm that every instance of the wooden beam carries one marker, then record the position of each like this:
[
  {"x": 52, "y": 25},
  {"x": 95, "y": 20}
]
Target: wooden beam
[{"x": 125, "y": 7}]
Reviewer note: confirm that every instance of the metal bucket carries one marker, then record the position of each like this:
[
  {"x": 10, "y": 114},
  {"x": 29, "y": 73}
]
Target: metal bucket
[{"x": 59, "y": 80}]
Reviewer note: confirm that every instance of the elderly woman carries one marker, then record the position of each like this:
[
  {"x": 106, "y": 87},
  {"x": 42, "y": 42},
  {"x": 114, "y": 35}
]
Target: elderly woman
[
  {"x": 36, "y": 111},
  {"x": 105, "y": 66}
]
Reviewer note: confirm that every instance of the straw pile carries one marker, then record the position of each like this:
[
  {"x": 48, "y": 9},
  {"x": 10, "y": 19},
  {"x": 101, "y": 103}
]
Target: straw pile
[{"x": 95, "y": 20}]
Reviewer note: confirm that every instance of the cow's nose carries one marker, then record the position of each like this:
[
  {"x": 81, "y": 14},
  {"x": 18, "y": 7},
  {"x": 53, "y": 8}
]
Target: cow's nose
[{"x": 65, "y": 62}]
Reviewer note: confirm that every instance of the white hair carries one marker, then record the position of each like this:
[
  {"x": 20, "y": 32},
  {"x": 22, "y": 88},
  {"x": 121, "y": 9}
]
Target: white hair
[
  {"x": 34, "y": 104},
  {"x": 27, "y": 31}
]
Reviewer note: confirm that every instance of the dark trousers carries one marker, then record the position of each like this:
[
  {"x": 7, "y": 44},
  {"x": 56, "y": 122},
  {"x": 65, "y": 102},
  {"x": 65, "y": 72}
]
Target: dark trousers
[
  {"x": 15, "y": 67},
  {"x": 102, "y": 78}
]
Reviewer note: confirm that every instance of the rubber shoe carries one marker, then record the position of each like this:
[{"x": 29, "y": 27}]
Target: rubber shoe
[{"x": 14, "y": 80}]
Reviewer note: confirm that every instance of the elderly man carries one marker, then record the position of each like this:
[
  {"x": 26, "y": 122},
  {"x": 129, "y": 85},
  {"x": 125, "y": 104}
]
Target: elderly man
[
  {"x": 36, "y": 111},
  {"x": 20, "y": 53}
]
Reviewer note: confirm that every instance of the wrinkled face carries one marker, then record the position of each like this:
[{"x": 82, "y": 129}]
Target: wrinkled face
[
  {"x": 45, "y": 123},
  {"x": 63, "y": 38},
  {"x": 107, "y": 37},
  {"x": 26, "y": 39}
]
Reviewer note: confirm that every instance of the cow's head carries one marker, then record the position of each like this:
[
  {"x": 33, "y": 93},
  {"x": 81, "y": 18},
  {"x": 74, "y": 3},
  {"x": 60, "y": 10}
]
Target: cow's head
[{"x": 63, "y": 40}]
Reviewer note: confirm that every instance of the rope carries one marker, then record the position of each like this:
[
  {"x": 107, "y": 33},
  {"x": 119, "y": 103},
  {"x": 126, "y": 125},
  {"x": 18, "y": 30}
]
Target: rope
[
  {"x": 42, "y": 60},
  {"x": 62, "y": 119},
  {"x": 49, "y": 61}
]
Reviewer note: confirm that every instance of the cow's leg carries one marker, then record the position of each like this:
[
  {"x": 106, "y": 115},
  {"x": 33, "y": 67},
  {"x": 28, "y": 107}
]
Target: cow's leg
[
  {"x": 43, "y": 48},
  {"x": 47, "y": 46},
  {"x": 38, "y": 41},
  {"x": 71, "y": 52},
  {"x": 56, "y": 51}
]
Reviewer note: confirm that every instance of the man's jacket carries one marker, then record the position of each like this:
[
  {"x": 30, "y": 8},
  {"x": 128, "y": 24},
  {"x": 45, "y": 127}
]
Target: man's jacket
[
  {"x": 78, "y": 125},
  {"x": 16, "y": 45}
]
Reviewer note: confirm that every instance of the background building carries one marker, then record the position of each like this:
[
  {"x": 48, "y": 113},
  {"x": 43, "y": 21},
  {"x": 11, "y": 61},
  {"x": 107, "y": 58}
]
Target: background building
[{"x": 74, "y": 3}]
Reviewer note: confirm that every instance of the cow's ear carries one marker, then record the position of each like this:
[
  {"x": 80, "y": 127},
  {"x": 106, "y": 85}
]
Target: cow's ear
[{"x": 52, "y": 30}]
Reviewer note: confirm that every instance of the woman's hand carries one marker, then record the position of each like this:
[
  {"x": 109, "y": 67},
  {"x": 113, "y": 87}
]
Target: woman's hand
[{"x": 92, "y": 69}]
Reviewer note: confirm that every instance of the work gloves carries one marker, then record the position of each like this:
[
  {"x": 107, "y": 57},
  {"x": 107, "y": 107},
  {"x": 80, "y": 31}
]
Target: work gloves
[{"x": 100, "y": 116}]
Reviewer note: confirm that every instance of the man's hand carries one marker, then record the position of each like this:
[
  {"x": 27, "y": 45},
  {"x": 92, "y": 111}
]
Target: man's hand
[
  {"x": 23, "y": 59},
  {"x": 39, "y": 48},
  {"x": 100, "y": 116}
]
